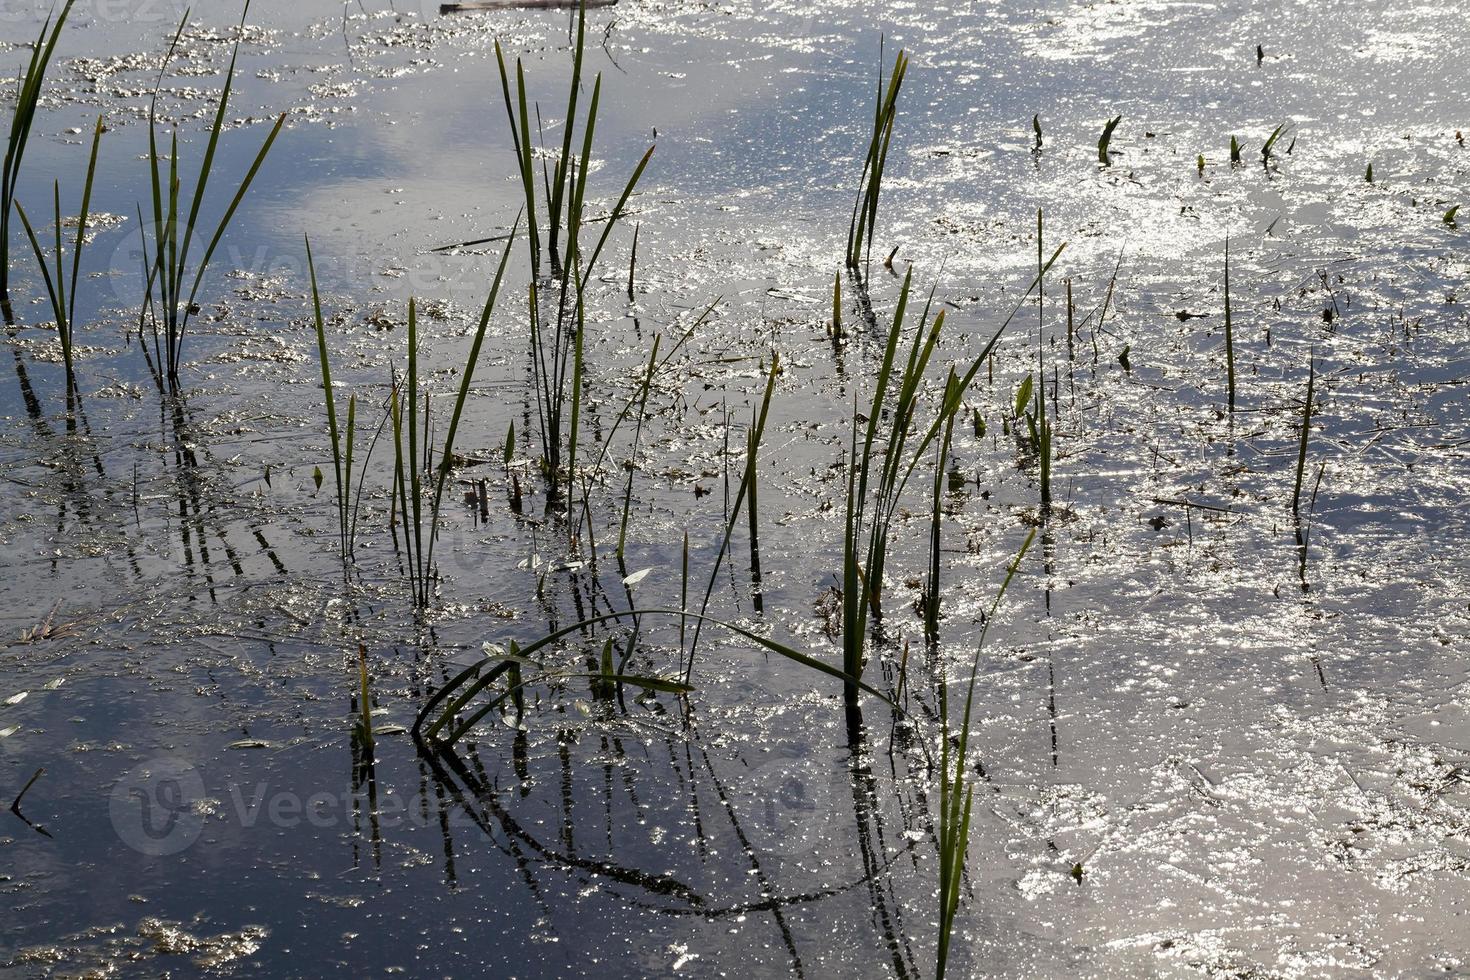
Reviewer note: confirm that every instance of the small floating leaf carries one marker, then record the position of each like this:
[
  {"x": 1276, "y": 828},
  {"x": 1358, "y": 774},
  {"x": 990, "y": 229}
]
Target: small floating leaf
[
  {"x": 316, "y": 477},
  {"x": 17, "y": 698},
  {"x": 636, "y": 577},
  {"x": 7, "y": 732},
  {"x": 1123, "y": 357},
  {"x": 249, "y": 743}
]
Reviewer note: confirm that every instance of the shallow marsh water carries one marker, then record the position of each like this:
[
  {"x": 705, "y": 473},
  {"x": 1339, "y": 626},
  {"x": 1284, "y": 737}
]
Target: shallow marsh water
[{"x": 1261, "y": 768}]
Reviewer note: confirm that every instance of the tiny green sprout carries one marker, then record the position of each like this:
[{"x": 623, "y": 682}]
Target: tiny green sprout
[
  {"x": 1449, "y": 216},
  {"x": 1369, "y": 175},
  {"x": 364, "y": 724},
  {"x": 1123, "y": 357},
  {"x": 1023, "y": 396},
  {"x": 1199, "y": 164},
  {"x": 837, "y": 304},
  {"x": 1234, "y": 150},
  {"x": 1106, "y": 138},
  {"x": 510, "y": 443},
  {"x": 1077, "y": 872},
  {"x": 1036, "y": 128},
  {"x": 1270, "y": 145},
  {"x": 316, "y": 477},
  {"x": 979, "y": 425},
  {"x": 603, "y": 686}
]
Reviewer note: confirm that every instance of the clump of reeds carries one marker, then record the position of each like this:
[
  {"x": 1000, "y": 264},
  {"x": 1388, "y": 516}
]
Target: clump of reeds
[
  {"x": 28, "y": 95},
  {"x": 558, "y": 336},
  {"x": 167, "y": 304},
  {"x": 864, "y": 221},
  {"x": 955, "y": 794},
  {"x": 880, "y": 465},
  {"x": 61, "y": 290},
  {"x": 412, "y": 452}
]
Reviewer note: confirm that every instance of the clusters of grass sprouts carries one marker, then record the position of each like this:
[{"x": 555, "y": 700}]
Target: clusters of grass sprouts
[
  {"x": 881, "y": 463},
  {"x": 28, "y": 95},
  {"x": 864, "y": 222},
  {"x": 417, "y": 492},
  {"x": 172, "y": 285},
  {"x": 61, "y": 289},
  {"x": 558, "y": 323},
  {"x": 418, "y": 485}
]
